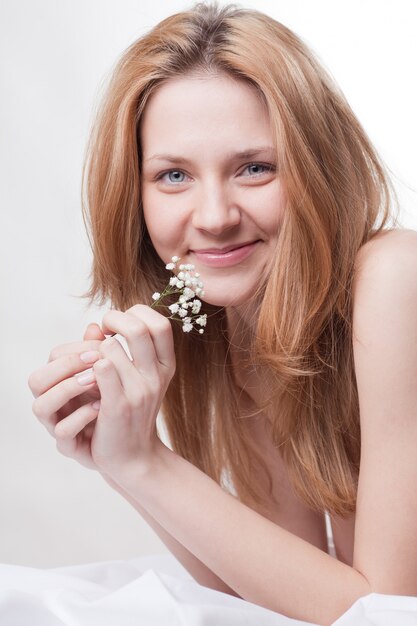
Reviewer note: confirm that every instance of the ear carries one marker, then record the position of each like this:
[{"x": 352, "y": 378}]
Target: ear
[{"x": 93, "y": 331}]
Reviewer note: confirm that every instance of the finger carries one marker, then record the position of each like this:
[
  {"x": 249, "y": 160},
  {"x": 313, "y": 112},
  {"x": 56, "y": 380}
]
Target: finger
[
  {"x": 138, "y": 338},
  {"x": 60, "y": 369},
  {"x": 159, "y": 327},
  {"x": 113, "y": 399},
  {"x": 47, "y": 405},
  {"x": 93, "y": 331},
  {"x": 149, "y": 323},
  {"x": 126, "y": 370},
  {"x": 79, "y": 448},
  {"x": 75, "y": 347},
  {"x": 68, "y": 428}
]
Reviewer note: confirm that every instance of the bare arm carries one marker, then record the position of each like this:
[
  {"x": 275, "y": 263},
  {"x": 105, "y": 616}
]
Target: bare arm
[{"x": 200, "y": 572}]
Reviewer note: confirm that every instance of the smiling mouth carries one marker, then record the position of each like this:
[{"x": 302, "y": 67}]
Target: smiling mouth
[
  {"x": 225, "y": 250},
  {"x": 230, "y": 257}
]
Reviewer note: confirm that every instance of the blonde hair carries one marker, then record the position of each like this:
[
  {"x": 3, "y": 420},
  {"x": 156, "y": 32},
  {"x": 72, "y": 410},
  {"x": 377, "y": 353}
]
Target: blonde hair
[{"x": 337, "y": 189}]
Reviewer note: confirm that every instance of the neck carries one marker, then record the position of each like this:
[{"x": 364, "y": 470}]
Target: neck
[{"x": 253, "y": 379}]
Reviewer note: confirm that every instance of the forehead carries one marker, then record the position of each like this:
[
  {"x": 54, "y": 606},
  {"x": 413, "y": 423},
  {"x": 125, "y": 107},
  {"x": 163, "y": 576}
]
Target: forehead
[{"x": 193, "y": 110}]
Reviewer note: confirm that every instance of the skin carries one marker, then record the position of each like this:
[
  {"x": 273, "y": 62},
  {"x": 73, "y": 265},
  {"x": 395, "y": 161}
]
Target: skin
[{"x": 247, "y": 553}]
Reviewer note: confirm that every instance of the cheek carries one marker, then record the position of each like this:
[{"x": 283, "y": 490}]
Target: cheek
[
  {"x": 270, "y": 220},
  {"x": 274, "y": 217},
  {"x": 275, "y": 222},
  {"x": 164, "y": 232}
]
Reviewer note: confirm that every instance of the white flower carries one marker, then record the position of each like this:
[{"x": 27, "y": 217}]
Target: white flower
[
  {"x": 196, "y": 306},
  {"x": 188, "y": 293},
  {"x": 202, "y": 320},
  {"x": 187, "y": 285}
]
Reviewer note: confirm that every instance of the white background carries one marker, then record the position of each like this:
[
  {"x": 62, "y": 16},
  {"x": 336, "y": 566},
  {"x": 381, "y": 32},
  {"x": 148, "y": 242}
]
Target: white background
[{"x": 55, "y": 56}]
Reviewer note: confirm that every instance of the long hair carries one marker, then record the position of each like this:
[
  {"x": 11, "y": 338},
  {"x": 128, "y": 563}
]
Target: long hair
[{"x": 338, "y": 196}]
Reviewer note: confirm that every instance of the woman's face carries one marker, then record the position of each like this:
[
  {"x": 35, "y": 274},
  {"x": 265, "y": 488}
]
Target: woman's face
[{"x": 199, "y": 193}]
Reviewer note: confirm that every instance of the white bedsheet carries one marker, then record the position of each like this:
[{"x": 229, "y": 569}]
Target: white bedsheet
[{"x": 155, "y": 590}]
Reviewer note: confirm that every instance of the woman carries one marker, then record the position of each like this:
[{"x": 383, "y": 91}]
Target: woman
[{"x": 222, "y": 141}]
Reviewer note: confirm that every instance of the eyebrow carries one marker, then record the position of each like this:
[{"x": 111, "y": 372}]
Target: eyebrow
[{"x": 241, "y": 154}]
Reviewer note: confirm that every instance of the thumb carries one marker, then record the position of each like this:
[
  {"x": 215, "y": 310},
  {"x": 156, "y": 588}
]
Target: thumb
[{"x": 94, "y": 331}]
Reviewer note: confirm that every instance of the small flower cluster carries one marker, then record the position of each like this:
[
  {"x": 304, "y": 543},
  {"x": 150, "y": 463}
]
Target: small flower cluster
[{"x": 187, "y": 283}]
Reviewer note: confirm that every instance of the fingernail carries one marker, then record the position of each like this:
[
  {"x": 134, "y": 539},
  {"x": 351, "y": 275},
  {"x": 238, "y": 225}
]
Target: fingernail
[
  {"x": 90, "y": 357},
  {"x": 96, "y": 405},
  {"x": 85, "y": 378}
]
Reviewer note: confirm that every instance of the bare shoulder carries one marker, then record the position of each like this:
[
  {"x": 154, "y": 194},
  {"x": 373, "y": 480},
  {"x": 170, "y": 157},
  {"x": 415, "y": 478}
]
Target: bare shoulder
[
  {"x": 385, "y": 287},
  {"x": 388, "y": 262},
  {"x": 399, "y": 245}
]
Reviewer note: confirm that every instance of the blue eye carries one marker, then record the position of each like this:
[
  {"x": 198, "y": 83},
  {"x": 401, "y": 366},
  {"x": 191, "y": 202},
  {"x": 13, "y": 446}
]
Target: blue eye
[
  {"x": 267, "y": 168},
  {"x": 175, "y": 180}
]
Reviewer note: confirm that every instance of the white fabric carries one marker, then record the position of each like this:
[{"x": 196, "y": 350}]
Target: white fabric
[{"x": 155, "y": 590}]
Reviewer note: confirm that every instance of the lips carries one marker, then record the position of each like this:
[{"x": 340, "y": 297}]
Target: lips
[
  {"x": 225, "y": 249},
  {"x": 228, "y": 256}
]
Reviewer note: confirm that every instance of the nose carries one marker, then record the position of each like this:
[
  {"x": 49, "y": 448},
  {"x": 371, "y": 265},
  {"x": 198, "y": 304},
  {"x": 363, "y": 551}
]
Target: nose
[{"x": 214, "y": 209}]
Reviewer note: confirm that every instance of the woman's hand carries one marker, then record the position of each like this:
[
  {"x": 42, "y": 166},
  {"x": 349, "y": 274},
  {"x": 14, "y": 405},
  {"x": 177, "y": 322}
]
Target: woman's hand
[
  {"x": 63, "y": 400},
  {"x": 131, "y": 390},
  {"x": 131, "y": 393}
]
